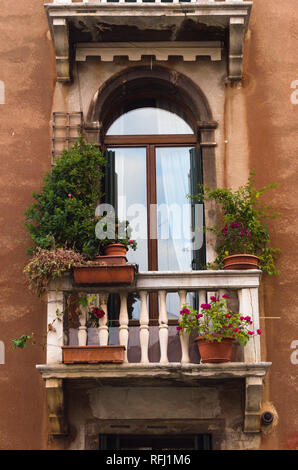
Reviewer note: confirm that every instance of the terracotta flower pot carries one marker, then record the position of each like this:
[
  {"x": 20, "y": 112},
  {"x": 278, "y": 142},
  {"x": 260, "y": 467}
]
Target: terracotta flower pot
[
  {"x": 96, "y": 274},
  {"x": 116, "y": 249},
  {"x": 241, "y": 261},
  {"x": 215, "y": 351},
  {"x": 93, "y": 354}
]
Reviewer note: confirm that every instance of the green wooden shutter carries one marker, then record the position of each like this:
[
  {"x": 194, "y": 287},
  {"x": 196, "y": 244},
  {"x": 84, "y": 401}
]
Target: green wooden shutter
[
  {"x": 111, "y": 197},
  {"x": 196, "y": 178},
  {"x": 110, "y": 182}
]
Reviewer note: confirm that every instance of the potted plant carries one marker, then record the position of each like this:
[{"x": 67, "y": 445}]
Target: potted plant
[
  {"x": 92, "y": 354},
  {"x": 63, "y": 213},
  {"x": 111, "y": 267},
  {"x": 217, "y": 328},
  {"x": 243, "y": 240}
]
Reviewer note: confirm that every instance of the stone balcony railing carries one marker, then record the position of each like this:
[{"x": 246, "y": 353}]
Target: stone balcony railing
[
  {"x": 242, "y": 287},
  {"x": 243, "y": 284}
]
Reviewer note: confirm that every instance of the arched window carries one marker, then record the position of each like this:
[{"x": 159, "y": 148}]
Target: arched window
[{"x": 153, "y": 164}]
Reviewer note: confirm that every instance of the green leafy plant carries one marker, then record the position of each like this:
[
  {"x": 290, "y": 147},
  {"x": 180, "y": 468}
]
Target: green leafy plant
[
  {"x": 116, "y": 231},
  {"x": 242, "y": 228},
  {"x": 47, "y": 265},
  {"x": 63, "y": 214},
  {"x": 22, "y": 341},
  {"x": 216, "y": 322}
]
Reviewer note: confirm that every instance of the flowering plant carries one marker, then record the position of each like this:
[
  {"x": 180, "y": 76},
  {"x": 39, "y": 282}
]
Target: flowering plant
[
  {"x": 216, "y": 322},
  {"x": 94, "y": 312},
  {"x": 242, "y": 228},
  {"x": 113, "y": 231}
]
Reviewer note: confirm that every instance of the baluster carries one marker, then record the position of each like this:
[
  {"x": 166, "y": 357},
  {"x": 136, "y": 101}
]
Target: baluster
[
  {"x": 82, "y": 331},
  {"x": 103, "y": 330},
  {"x": 184, "y": 336},
  {"x": 55, "y": 336},
  {"x": 144, "y": 327},
  {"x": 163, "y": 327},
  {"x": 123, "y": 323},
  {"x": 202, "y": 299},
  {"x": 249, "y": 305}
]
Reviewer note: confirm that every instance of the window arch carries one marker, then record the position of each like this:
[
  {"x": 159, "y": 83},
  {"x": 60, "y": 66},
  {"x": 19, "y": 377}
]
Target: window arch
[{"x": 144, "y": 166}]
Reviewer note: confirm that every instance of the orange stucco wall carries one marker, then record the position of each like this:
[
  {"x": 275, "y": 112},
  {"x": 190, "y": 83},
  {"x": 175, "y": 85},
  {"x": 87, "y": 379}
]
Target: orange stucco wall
[{"x": 27, "y": 68}]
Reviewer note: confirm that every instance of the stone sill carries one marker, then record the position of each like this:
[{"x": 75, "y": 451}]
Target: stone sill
[{"x": 176, "y": 372}]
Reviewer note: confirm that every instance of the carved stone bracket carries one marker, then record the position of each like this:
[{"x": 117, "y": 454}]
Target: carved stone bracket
[
  {"x": 253, "y": 396},
  {"x": 61, "y": 41},
  {"x": 236, "y": 32},
  {"x": 55, "y": 398}
]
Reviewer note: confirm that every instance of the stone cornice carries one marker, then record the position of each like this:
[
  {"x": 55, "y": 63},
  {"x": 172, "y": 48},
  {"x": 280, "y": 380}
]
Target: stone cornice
[{"x": 232, "y": 15}]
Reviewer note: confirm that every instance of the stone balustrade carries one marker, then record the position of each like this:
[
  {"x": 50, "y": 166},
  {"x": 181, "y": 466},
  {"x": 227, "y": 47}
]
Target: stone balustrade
[{"x": 241, "y": 285}]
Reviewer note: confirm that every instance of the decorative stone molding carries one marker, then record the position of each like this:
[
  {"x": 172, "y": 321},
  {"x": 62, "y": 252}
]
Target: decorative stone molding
[
  {"x": 231, "y": 15},
  {"x": 161, "y": 50}
]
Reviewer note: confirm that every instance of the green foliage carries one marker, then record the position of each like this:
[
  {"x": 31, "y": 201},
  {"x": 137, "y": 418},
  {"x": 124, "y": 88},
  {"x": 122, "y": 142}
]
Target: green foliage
[
  {"x": 47, "y": 265},
  {"x": 115, "y": 231},
  {"x": 216, "y": 322},
  {"x": 63, "y": 214},
  {"x": 22, "y": 341},
  {"x": 243, "y": 227}
]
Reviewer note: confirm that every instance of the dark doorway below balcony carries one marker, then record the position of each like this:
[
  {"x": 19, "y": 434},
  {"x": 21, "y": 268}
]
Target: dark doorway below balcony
[{"x": 155, "y": 442}]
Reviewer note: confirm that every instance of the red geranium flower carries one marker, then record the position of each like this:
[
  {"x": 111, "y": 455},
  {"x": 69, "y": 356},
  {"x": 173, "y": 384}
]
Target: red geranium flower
[{"x": 98, "y": 312}]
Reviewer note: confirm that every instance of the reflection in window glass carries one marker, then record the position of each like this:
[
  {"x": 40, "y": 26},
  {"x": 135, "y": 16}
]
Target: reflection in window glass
[{"x": 149, "y": 121}]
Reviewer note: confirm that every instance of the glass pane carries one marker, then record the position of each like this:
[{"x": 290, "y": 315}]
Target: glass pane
[
  {"x": 174, "y": 210},
  {"x": 130, "y": 167},
  {"x": 174, "y": 215},
  {"x": 149, "y": 121}
]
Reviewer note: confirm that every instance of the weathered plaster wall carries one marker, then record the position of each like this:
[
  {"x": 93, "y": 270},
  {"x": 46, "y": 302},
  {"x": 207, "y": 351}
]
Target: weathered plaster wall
[
  {"x": 27, "y": 69},
  {"x": 257, "y": 129},
  {"x": 270, "y": 68}
]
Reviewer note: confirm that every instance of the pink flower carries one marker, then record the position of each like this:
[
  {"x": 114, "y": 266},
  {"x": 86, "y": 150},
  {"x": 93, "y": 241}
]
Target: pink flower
[
  {"x": 236, "y": 330},
  {"x": 69, "y": 195},
  {"x": 206, "y": 306},
  {"x": 184, "y": 311},
  {"x": 247, "y": 318},
  {"x": 178, "y": 328},
  {"x": 228, "y": 315},
  {"x": 230, "y": 325},
  {"x": 199, "y": 315},
  {"x": 242, "y": 318},
  {"x": 225, "y": 296},
  {"x": 259, "y": 332},
  {"x": 251, "y": 333},
  {"x": 213, "y": 299}
]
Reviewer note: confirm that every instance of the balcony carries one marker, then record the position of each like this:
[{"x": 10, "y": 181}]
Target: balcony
[
  {"x": 154, "y": 354},
  {"x": 170, "y": 23}
]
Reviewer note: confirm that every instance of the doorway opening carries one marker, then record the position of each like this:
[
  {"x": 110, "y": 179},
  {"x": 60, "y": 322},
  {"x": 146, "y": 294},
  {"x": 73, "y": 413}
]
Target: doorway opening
[{"x": 155, "y": 442}]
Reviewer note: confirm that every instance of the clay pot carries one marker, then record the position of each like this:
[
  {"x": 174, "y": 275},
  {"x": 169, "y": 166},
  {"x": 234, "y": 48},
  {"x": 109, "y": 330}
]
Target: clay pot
[
  {"x": 93, "y": 354},
  {"x": 241, "y": 261},
  {"x": 116, "y": 249},
  {"x": 215, "y": 351}
]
